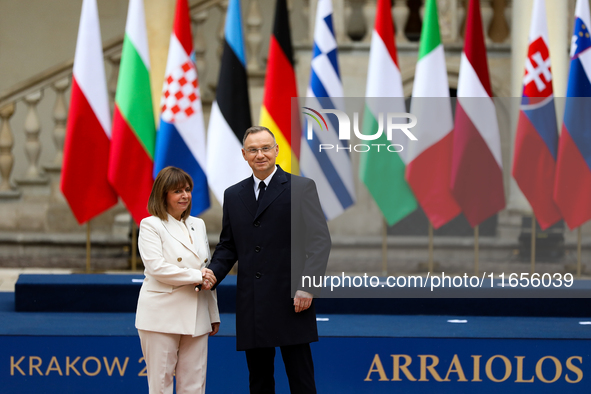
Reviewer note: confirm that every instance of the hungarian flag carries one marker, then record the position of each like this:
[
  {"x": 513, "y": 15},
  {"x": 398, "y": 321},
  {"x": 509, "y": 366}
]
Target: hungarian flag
[
  {"x": 429, "y": 157},
  {"x": 84, "y": 180},
  {"x": 134, "y": 132},
  {"x": 476, "y": 172},
  {"x": 383, "y": 171},
  {"x": 181, "y": 138},
  {"x": 536, "y": 140},
  {"x": 280, "y": 87},
  {"x": 572, "y": 190},
  {"x": 230, "y": 112}
]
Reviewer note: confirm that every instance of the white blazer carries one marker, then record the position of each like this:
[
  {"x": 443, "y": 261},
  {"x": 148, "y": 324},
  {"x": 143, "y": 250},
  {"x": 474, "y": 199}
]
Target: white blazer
[{"x": 168, "y": 302}]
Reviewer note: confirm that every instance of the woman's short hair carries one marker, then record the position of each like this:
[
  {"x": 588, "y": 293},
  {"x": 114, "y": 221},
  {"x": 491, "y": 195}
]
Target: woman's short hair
[{"x": 169, "y": 178}]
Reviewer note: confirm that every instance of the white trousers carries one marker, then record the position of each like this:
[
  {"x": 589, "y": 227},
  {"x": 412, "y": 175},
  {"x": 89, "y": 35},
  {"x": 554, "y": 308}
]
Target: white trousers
[{"x": 167, "y": 353}]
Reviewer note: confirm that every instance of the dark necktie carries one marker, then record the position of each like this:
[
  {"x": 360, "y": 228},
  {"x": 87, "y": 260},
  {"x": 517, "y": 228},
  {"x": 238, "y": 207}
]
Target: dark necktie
[{"x": 262, "y": 188}]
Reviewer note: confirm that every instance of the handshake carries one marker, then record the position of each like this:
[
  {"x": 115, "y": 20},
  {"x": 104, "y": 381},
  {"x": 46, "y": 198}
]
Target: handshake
[{"x": 208, "y": 280}]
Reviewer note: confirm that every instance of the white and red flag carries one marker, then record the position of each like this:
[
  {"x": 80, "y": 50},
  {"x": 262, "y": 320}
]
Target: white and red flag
[
  {"x": 536, "y": 140},
  {"x": 84, "y": 180},
  {"x": 476, "y": 172}
]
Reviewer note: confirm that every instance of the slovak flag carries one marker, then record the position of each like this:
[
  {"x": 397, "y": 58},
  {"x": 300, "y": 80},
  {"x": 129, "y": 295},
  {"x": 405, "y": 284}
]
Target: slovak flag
[
  {"x": 180, "y": 141},
  {"x": 536, "y": 141},
  {"x": 572, "y": 188}
]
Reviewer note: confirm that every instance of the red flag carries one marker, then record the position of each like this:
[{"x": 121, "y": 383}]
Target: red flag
[
  {"x": 476, "y": 175},
  {"x": 86, "y": 149}
]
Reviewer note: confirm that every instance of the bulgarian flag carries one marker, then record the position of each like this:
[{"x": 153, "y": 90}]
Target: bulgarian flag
[
  {"x": 477, "y": 172},
  {"x": 86, "y": 148},
  {"x": 280, "y": 87},
  {"x": 428, "y": 171},
  {"x": 134, "y": 132},
  {"x": 383, "y": 171}
]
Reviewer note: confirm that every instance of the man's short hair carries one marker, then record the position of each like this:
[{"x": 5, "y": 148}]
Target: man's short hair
[
  {"x": 169, "y": 178},
  {"x": 256, "y": 129}
]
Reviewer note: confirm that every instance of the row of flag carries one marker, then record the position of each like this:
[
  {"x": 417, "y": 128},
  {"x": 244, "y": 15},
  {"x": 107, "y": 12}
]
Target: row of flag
[
  {"x": 454, "y": 166},
  {"x": 104, "y": 160}
]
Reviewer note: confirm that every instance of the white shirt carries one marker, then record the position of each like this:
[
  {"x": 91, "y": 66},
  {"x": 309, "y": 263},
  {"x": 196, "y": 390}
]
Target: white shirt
[{"x": 257, "y": 182}]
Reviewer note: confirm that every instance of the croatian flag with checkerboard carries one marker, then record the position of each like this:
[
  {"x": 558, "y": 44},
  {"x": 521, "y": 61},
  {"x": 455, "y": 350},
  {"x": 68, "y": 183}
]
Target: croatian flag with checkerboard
[{"x": 180, "y": 140}]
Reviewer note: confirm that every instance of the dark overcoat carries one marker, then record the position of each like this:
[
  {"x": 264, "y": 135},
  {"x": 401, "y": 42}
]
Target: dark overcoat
[{"x": 275, "y": 243}]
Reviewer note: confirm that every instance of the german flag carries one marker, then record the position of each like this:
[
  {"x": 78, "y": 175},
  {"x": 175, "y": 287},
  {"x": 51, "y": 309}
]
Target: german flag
[{"x": 280, "y": 87}]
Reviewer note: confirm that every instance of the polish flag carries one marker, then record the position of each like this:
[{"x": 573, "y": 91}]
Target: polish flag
[{"x": 84, "y": 180}]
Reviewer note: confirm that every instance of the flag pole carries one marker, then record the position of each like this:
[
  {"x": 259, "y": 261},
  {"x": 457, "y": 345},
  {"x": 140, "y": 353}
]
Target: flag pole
[
  {"x": 133, "y": 246},
  {"x": 430, "y": 263},
  {"x": 384, "y": 248},
  {"x": 476, "y": 250},
  {"x": 579, "y": 242},
  {"x": 533, "y": 244},
  {"x": 88, "y": 247}
]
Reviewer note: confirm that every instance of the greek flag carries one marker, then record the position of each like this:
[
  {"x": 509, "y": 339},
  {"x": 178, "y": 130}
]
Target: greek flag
[{"x": 329, "y": 168}]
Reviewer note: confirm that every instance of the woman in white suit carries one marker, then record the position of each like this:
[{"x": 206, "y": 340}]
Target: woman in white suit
[{"x": 174, "y": 318}]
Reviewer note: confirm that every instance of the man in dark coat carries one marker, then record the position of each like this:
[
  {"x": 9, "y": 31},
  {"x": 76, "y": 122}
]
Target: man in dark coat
[{"x": 274, "y": 226}]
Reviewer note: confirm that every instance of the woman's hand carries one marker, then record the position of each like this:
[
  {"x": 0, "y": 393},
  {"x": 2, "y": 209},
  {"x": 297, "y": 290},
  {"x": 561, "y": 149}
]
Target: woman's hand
[
  {"x": 215, "y": 327},
  {"x": 209, "y": 279}
]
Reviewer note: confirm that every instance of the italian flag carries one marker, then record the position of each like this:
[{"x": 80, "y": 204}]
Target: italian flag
[
  {"x": 429, "y": 158},
  {"x": 383, "y": 171},
  {"x": 134, "y": 132}
]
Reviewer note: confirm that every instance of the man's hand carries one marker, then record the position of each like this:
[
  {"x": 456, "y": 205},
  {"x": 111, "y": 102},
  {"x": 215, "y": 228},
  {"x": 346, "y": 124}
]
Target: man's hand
[
  {"x": 209, "y": 279},
  {"x": 215, "y": 327},
  {"x": 302, "y": 300}
]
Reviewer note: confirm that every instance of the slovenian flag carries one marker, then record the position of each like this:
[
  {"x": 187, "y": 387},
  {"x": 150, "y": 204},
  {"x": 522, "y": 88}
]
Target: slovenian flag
[
  {"x": 429, "y": 157},
  {"x": 180, "y": 141},
  {"x": 477, "y": 170},
  {"x": 84, "y": 180},
  {"x": 134, "y": 132},
  {"x": 382, "y": 171},
  {"x": 536, "y": 140},
  {"x": 572, "y": 189}
]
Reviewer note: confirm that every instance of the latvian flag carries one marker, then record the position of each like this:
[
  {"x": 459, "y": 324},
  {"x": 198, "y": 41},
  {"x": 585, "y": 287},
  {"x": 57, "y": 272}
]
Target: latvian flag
[
  {"x": 181, "y": 138},
  {"x": 536, "y": 141},
  {"x": 476, "y": 172},
  {"x": 572, "y": 190}
]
